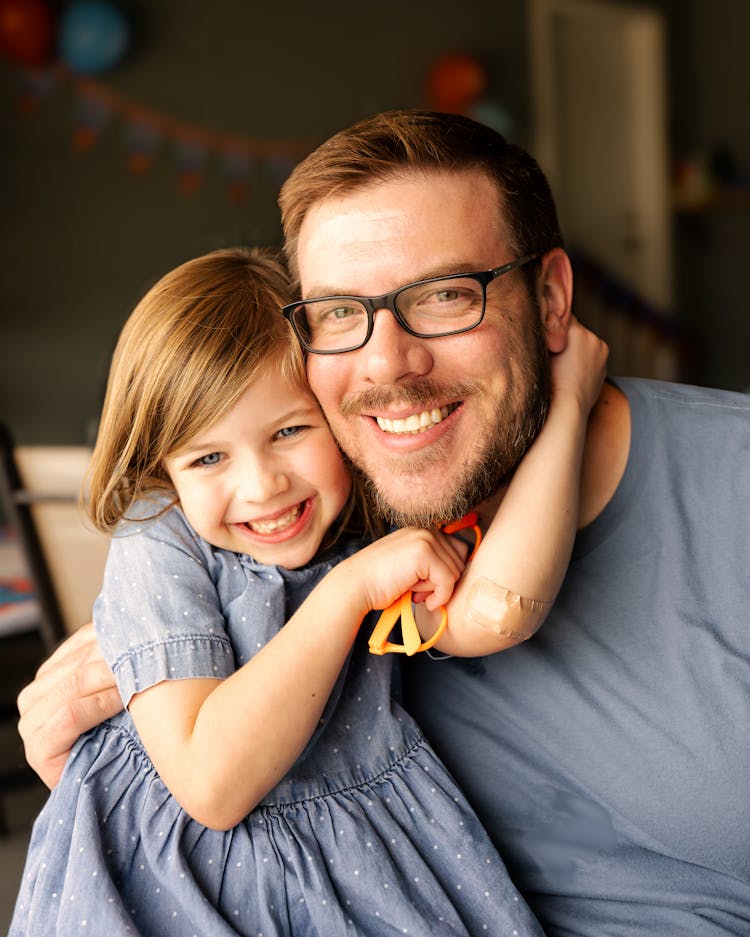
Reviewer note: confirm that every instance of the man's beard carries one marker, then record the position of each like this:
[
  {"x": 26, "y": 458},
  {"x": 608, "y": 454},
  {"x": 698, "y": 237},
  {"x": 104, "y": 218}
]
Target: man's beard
[{"x": 518, "y": 420}]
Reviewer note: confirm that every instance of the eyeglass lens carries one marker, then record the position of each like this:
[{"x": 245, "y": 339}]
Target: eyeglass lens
[{"x": 451, "y": 304}]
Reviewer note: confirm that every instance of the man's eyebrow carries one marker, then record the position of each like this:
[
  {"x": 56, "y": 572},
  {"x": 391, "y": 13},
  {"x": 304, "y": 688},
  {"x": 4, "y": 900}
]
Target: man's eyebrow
[
  {"x": 443, "y": 270},
  {"x": 318, "y": 292},
  {"x": 449, "y": 270}
]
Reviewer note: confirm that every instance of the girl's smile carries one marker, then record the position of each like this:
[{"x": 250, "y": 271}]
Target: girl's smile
[{"x": 284, "y": 525}]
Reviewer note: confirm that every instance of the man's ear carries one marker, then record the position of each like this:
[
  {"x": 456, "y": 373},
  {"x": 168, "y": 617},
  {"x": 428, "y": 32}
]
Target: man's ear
[{"x": 555, "y": 293}]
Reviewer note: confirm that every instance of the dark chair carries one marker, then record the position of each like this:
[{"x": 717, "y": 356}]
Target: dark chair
[
  {"x": 16, "y": 503},
  {"x": 24, "y": 640}
]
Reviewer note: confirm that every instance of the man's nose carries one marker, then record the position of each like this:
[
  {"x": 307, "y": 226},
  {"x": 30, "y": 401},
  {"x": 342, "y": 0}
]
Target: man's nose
[{"x": 392, "y": 354}]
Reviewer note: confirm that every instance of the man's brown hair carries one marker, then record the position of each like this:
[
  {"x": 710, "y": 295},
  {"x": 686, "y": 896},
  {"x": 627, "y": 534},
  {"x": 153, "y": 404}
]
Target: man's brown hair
[{"x": 397, "y": 143}]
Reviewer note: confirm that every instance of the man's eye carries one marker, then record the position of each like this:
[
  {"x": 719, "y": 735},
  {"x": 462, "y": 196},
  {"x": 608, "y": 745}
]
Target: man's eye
[
  {"x": 213, "y": 458},
  {"x": 445, "y": 296},
  {"x": 342, "y": 312},
  {"x": 325, "y": 314}
]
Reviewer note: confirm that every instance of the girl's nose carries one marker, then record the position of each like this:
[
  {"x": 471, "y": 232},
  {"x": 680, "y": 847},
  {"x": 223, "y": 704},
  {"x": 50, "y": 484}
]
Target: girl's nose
[{"x": 260, "y": 483}]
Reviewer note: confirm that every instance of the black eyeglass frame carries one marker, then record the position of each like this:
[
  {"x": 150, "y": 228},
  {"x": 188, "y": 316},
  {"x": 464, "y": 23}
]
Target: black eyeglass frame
[{"x": 388, "y": 301}]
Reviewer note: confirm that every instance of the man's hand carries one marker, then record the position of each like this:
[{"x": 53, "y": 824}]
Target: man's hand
[{"x": 73, "y": 691}]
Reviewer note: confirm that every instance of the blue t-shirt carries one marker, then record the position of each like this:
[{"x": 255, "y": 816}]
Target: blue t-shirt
[{"x": 609, "y": 756}]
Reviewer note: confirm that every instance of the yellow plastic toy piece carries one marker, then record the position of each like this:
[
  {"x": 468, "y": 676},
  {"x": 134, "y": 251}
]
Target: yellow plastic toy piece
[{"x": 402, "y": 608}]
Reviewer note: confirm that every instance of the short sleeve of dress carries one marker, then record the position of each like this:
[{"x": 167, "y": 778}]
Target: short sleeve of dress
[{"x": 158, "y": 616}]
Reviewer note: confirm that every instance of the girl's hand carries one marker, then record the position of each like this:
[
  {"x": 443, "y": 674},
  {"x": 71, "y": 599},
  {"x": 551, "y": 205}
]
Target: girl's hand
[
  {"x": 580, "y": 369},
  {"x": 422, "y": 561}
]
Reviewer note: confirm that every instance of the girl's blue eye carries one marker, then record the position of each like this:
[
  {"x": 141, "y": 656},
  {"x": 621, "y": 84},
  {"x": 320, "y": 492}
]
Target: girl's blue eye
[
  {"x": 211, "y": 459},
  {"x": 288, "y": 431}
]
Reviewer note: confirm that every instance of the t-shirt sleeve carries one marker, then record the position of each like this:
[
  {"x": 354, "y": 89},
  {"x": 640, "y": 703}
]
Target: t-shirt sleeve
[{"x": 158, "y": 616}]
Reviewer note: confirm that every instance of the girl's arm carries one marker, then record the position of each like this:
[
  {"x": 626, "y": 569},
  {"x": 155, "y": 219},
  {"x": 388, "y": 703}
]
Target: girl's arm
[
  {"x": 510, "y": 583},
  {"x": 220, "y": 746}
]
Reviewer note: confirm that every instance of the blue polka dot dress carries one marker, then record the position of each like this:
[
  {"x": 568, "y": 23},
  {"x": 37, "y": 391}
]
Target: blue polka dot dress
[{"x": 367, "y": 835}]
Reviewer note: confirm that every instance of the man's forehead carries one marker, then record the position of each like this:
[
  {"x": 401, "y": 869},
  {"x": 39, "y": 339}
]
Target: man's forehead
[
  {"x": 478, "y": 184},
  {"x": 421, "y": 222}
]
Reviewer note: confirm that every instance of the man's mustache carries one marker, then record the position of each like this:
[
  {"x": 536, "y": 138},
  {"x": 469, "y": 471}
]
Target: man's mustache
[{"x": 420, "y": 393}]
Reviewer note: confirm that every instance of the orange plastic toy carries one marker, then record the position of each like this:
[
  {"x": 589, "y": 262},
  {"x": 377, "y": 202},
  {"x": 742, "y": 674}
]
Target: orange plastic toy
[{"x": 402, "y": 608}]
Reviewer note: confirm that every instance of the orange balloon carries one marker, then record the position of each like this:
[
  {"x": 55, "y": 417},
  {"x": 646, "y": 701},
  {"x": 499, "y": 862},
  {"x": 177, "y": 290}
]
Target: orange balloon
[
  {"x": 25, "y": 31},
  {"x": 455, "y": 82}
]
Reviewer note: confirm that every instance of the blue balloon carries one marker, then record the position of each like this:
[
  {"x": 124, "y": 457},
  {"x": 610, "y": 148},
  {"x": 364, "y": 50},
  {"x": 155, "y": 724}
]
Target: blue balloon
[{"x": 93, "y": 36}]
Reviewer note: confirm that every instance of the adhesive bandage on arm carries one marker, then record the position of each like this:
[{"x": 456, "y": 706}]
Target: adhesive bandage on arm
[{"x": 497, "y": 609}]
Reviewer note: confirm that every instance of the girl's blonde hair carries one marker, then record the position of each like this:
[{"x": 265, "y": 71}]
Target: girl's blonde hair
[{"x": 184, "y": 357}]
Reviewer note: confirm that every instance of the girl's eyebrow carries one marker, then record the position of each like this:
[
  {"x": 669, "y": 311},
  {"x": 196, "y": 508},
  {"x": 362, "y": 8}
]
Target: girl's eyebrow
[
  {"x": 300, "y": 412},
  {"x": 200, "y": 445}
]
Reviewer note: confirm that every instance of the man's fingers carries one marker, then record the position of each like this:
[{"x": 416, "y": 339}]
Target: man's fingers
[
  {"x": 63, "y": 716},
  {"x": 80, "y": 643},
  {"x": 85, "y": 712},
  {"x": 48, "y": 731},
  {"x": 63, "y": 688},
  {"x": 73, "y": 691},
  {"x": 79, "y": 671},
  {"x": 49, "y": 771}
]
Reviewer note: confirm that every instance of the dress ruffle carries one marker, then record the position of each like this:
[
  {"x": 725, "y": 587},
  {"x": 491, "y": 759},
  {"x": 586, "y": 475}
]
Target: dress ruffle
[{"x": 368, "y": 859}]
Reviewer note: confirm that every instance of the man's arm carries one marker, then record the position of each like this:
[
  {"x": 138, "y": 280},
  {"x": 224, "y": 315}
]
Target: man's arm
[{"x": 73, "y": 691}]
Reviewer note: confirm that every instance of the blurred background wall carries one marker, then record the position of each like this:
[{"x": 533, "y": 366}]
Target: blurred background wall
[{"x": 179, "y": 144}]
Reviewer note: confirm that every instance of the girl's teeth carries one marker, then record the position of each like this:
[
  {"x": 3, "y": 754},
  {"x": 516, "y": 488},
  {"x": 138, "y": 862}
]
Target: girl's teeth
[
  {"x": 416, "y": 423},
  {"x": 278, "y": 523}
]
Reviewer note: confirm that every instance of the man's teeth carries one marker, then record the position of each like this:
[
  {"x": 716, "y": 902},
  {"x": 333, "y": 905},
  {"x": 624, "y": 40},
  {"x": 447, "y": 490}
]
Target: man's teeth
[
  {"x": 416, "y": 423},
  {"x": 268, "y": 527}
]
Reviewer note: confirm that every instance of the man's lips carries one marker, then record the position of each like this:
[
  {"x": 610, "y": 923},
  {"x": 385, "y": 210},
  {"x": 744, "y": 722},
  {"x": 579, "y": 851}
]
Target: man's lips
[{"x": 416, "y": 422}]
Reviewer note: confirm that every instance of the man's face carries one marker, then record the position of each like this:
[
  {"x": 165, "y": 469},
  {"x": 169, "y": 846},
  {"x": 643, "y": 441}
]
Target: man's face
[{"x": 437, "y": 424}]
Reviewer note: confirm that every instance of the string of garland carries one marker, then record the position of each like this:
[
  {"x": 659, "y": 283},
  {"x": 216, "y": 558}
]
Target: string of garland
[{"x": 147, "y": 133}]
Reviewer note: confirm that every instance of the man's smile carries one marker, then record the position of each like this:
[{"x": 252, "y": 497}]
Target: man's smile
[{"x": 416, "y": 422}]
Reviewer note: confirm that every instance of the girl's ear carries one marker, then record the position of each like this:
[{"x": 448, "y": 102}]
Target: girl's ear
[{"x": 555, "y": 286}]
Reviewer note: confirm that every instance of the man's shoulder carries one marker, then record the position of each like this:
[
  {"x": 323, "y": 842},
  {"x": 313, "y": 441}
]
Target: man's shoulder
[
  {"x": 672, "y": 409},
  {"x": 686, "y": 435},
  {"x": 682, "y": 437},
  {"x": 668, "y": 393}
]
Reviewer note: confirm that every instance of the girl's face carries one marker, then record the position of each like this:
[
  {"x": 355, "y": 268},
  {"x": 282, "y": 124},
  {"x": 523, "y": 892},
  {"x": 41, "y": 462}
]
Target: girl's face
[{"x": 267, "y": 479}]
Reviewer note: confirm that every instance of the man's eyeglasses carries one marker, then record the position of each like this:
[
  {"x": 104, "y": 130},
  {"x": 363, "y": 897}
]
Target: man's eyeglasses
[{"x": 331, "y": 325}]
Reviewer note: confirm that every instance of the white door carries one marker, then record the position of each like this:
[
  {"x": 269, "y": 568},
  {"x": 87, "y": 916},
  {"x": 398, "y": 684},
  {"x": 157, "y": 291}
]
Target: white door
[{"x": 601, "y": 135}]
